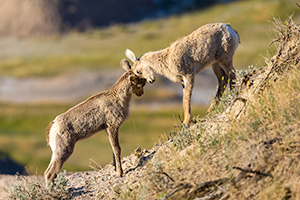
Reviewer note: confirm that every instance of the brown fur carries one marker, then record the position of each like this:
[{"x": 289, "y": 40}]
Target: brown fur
[
  {"x": 104, "y": 111},
  {"x": 211, "y": 44}
]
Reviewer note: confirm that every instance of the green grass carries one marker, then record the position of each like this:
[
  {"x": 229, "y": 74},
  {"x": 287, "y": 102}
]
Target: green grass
[
  {"x": 104, "y": 48},
  {"x": 22, "y": 134}
]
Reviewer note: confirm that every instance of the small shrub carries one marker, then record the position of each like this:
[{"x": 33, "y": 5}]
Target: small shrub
[
  {"x": 58, "y": 188},
  {"x": 34, "y": 189},
  {"x": 182, "y": 138}
]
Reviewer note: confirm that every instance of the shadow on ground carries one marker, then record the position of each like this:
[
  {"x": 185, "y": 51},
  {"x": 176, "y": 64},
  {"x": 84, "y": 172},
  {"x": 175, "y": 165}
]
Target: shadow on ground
[{"x": 9, "y": 166}]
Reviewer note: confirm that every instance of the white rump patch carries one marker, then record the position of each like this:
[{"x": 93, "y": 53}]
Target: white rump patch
[
  {"x": 233, "y": 34},
  {"x": 52, "y": 136}
]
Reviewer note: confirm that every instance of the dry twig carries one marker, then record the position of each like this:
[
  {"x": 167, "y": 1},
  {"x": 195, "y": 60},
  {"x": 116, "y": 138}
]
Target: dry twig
[{"x": 252, "y": 171}]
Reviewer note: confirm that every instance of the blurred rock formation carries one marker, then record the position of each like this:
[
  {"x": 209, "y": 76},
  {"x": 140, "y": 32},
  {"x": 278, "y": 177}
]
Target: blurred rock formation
[{"x": 50, "y": 17}]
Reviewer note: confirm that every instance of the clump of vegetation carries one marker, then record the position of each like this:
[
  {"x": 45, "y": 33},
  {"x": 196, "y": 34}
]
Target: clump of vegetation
[{"x": 34, "y": 189}]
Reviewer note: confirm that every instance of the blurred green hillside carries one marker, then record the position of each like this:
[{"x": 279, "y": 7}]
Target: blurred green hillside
[{"x": 104, "y": 48}]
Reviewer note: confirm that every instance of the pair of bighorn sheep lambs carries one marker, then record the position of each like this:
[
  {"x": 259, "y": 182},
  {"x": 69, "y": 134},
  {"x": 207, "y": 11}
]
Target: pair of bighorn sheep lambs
[{"x": 212, "y": 44}]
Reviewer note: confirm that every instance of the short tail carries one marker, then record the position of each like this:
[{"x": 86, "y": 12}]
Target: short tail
[{"x": 48, "y": 131}]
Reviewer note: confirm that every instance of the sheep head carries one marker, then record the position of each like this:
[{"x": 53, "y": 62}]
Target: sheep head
[{"x": 141, "y": 67}]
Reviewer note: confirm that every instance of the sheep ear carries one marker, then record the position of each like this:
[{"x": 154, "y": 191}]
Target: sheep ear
[
  {"x": 129, "y": 54},
  {"x": 125, "y": 64}
]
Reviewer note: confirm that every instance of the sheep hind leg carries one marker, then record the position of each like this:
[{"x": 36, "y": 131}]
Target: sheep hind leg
[
  {"x": 56, "y": 163},
  {"x": 52, "y": 170},
  {"x": 229, "y": 71},
  {"x": 222, "y": 80}
]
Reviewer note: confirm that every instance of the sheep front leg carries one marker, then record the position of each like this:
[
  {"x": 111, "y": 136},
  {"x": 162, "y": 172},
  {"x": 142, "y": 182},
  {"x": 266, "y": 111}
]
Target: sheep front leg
[
  {"x": 113, "y": 136},
  {"x": 188, "y": 84}
]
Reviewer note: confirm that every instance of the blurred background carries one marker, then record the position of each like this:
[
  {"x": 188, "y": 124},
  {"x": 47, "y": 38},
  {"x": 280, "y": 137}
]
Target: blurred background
[{"x": 56, "y": 53}]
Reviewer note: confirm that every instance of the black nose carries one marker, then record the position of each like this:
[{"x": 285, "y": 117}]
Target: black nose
[
  {"x": 152, "y": 81},
  {"x": 140, "y": 94}
]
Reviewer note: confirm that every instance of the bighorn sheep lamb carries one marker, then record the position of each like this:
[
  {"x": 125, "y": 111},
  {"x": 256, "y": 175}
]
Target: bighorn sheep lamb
[
  {"x": 104, "y": 111},
  {"x": 212, "y": 44}
]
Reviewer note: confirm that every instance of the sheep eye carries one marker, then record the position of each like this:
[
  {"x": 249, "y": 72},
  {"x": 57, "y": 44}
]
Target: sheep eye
[{"x": 139, "y": 72}]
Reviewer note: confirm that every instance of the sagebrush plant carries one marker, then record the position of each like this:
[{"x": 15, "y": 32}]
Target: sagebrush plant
[
  {"x": 58, "y": 187},
  {"x": 182, "y": 138},
  {"x": 29, "y": 189}
]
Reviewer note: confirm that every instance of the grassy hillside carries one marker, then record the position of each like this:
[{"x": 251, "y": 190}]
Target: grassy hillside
[{"x": 104, "y": 48}]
